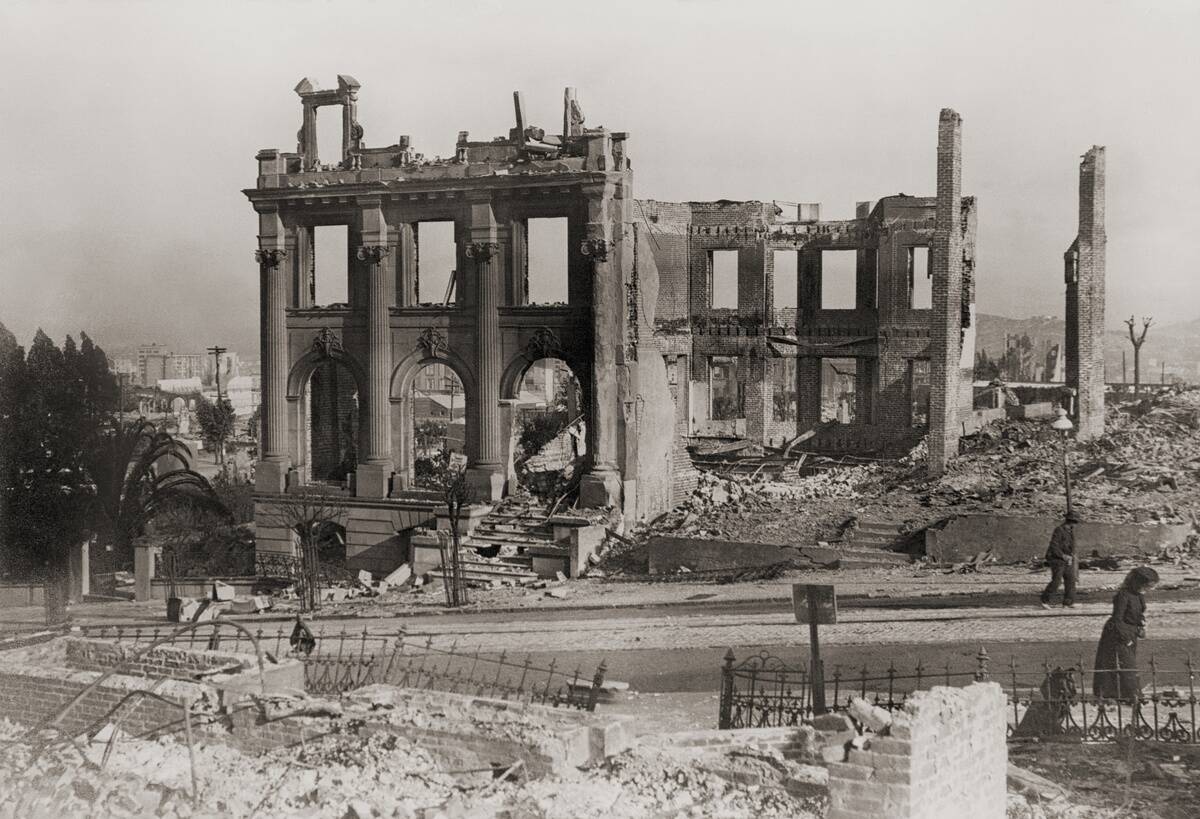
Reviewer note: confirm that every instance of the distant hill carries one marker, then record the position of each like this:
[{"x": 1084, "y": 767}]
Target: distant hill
[{"x": 1178, "y": 344}]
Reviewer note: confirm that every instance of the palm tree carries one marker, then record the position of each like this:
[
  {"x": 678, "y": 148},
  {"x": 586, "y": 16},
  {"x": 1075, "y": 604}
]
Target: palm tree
[{"x": 132, "y": 486}]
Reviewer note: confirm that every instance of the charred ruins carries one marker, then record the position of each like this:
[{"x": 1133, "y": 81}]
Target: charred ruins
[{"x": 676, "y": 321}]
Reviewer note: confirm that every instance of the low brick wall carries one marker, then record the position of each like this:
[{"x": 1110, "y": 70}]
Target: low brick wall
[
  {"x": 944, "y": 755},
  {"x": 30, "y": 700},
  {"x": 101, "y": 655}
]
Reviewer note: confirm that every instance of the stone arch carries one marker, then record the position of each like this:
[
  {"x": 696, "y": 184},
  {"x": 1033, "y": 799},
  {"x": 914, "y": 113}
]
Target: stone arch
[
  {"x": 304, "y": 367},
  {"x": 403, "y": 378},
  {"x": 408, "y": 368},
  {"x": 299, "y": 411}
]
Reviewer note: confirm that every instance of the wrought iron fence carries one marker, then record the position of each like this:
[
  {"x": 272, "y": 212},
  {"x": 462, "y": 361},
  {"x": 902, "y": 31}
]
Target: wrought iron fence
[
  {"x": 343, "y": 661},
  {"x": 764, "y": 691},
  {"x": 289, "y": 567},
  {"x": 1156, "y": 703}
]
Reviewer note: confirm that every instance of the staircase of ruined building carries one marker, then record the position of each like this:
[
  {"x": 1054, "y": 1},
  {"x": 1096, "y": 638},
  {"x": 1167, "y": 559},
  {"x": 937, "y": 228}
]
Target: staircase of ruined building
[
  {"x": 500, "y": 550},
  {"x": 876, "y": 542}
]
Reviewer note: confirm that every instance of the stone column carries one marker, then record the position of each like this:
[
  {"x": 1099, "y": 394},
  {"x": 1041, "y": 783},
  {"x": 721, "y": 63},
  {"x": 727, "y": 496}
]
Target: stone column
[
  {"x": 601, "y": 486},
  {"x": 1085, "y": 271},
  {"x": 375, "y": 466},
  {"x": 945, "y": 327},
  {"x": 270, "y": 475},
  {"x": 486, "y": 474}
]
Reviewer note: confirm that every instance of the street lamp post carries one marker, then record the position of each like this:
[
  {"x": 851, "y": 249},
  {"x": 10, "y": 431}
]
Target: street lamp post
[{"x": 1064, "y": 426}]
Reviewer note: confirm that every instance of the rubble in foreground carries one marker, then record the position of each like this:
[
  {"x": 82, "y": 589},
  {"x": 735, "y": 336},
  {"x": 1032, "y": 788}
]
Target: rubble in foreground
[{"x": 345, "y": 776}]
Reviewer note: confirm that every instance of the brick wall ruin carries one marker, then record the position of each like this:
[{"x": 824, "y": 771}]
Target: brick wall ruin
[
  {"x": 946, "y": 750},
  {"x": 866, "y": 364}
]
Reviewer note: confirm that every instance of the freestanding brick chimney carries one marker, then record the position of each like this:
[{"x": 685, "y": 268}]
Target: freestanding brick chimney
[
  {"x": 946, "y": 327},
  {"x": 1084, "y": 274}
]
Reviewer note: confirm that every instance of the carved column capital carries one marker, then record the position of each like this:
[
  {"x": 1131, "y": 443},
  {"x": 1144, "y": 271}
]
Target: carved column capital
[
  {"x": 269, "y": 259},
  {"x": 481, "y": 252},
  {"x": 595, "y": 249},
  {"x": 373, "y": 254}
]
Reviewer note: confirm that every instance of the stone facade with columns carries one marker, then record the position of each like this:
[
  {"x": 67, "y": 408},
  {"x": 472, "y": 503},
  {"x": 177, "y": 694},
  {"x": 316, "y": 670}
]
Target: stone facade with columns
[{"x": 486, "y": 332}]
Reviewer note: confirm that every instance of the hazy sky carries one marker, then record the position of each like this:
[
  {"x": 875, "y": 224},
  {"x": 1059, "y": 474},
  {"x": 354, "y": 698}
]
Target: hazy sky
[{"x": 129, "y": 129}]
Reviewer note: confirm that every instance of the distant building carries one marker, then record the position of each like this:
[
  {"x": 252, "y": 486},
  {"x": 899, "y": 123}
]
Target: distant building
[
  {"x": 151, "y": 364},
  {"x": 186, "y": 365},
  {"x": 230, "y": 368},
  {"x": 180, "y": 386}
]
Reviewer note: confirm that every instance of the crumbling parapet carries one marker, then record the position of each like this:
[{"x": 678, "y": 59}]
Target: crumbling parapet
[
  {"x": 1084, "y": 265},
  {"x": 944, "y": 755},
  {"x": 946, "y": 325}
]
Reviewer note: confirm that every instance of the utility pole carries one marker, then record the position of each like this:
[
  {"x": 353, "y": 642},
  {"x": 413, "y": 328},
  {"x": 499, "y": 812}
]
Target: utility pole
[{"x": 216, "y": 353}]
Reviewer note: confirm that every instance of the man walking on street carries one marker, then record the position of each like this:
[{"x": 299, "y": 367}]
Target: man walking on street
[{"x": 1060, "y": 557}]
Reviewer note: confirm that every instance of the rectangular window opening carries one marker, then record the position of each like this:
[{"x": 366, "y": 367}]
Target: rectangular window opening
[
  {"x": 920, "y": 279},
  {"x": 783, "y": 389},
  {"x": 546, "y": 243},
  {"x": 329, "y": 134},
  {"x": 726, "y": 393},
  {"x": 331, "y": 263},
  {"x": 723, "y": 278},
  {"x": 787, "y": 287},
  {"x": 437, "y": 258},
  {"x": 839, "y": 279},
  {"x": 918, "y": 391},
  {"x": 839, "y": 389}
]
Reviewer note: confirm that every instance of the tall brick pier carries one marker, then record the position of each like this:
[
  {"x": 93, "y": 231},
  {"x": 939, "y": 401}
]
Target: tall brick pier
[{"x": 1084, "y": 274}]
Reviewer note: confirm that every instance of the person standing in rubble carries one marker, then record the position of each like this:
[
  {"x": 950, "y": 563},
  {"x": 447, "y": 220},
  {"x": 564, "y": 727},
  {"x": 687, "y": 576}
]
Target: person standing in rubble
[
  {"x": 1060, "y": 557},
  {"x": 1115, "y": 676}
]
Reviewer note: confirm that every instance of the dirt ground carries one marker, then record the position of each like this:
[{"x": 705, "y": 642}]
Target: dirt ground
[{"x": 1131, "y": 780}]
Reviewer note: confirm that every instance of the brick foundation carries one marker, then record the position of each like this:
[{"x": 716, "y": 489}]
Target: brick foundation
[{"x": 944, "y": 755}]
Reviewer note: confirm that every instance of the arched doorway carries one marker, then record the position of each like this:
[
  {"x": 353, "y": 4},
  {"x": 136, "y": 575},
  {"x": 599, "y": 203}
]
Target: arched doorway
[
  {"x": 549, "y": 428},
  {"x": 437, "y": 411},
  {"x": 332, "y": 421}
]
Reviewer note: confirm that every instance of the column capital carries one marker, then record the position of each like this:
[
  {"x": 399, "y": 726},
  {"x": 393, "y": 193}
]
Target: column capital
[
  {"x": 269, "y": 258},
  {"x": 595, "y": 248},
  {"x": 482, "y": 252},
  {"x": 374, "y": 254}
]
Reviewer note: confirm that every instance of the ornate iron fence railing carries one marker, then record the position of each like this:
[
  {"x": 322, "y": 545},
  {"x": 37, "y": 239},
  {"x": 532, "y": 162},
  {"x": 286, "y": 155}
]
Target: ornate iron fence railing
[
  {"x": 335, "y": 663},
  {"x": 1075, "y": 703}
]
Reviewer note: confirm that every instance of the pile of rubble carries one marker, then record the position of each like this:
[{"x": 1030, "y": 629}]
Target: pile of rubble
[{"x": 1145, "y": 469}]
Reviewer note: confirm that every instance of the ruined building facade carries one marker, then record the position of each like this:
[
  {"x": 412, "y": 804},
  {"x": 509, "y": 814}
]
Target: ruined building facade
[
  {"x": 337, "y": 378},
  {"x": 878, "y": 344},
  {"x": 657, "y": 360}
]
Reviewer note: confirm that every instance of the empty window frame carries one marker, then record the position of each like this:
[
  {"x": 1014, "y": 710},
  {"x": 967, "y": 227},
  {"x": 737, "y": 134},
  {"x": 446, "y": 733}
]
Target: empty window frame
[
  {"x": 839, "y": 389},
  {"x": 918, "y": 391},
  {"x": 546, "y": 244},
  {"x": 723, "y": 278},
  {"x": 437, "y": 258},
  {"x": 331, "y": 262},
  {"x": 329, "y": 134},
  {"x": 920, "y": 279},
  {"x": 839, "y": 279},
  {"x": 787, "y": 281},
  {"x": 727, "y": 395},
  {"x": 783, "y": 389}
]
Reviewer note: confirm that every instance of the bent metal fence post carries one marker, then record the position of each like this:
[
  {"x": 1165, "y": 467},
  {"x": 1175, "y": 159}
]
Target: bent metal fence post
[{"x": 1157, "y": 703}]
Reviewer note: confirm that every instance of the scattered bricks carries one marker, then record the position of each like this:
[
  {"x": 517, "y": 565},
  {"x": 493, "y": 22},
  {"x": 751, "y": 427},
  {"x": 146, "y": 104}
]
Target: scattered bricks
[
  {"x": 890, "y": 745},
  {"x": 851, "y": 771},
  {"x": 830, "y": 723},
  {"x": 871, "y": 717}
]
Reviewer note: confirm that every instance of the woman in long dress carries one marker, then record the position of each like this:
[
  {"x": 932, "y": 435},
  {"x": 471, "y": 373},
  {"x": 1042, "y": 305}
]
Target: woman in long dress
[{"x": 1116, "y": 676}]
